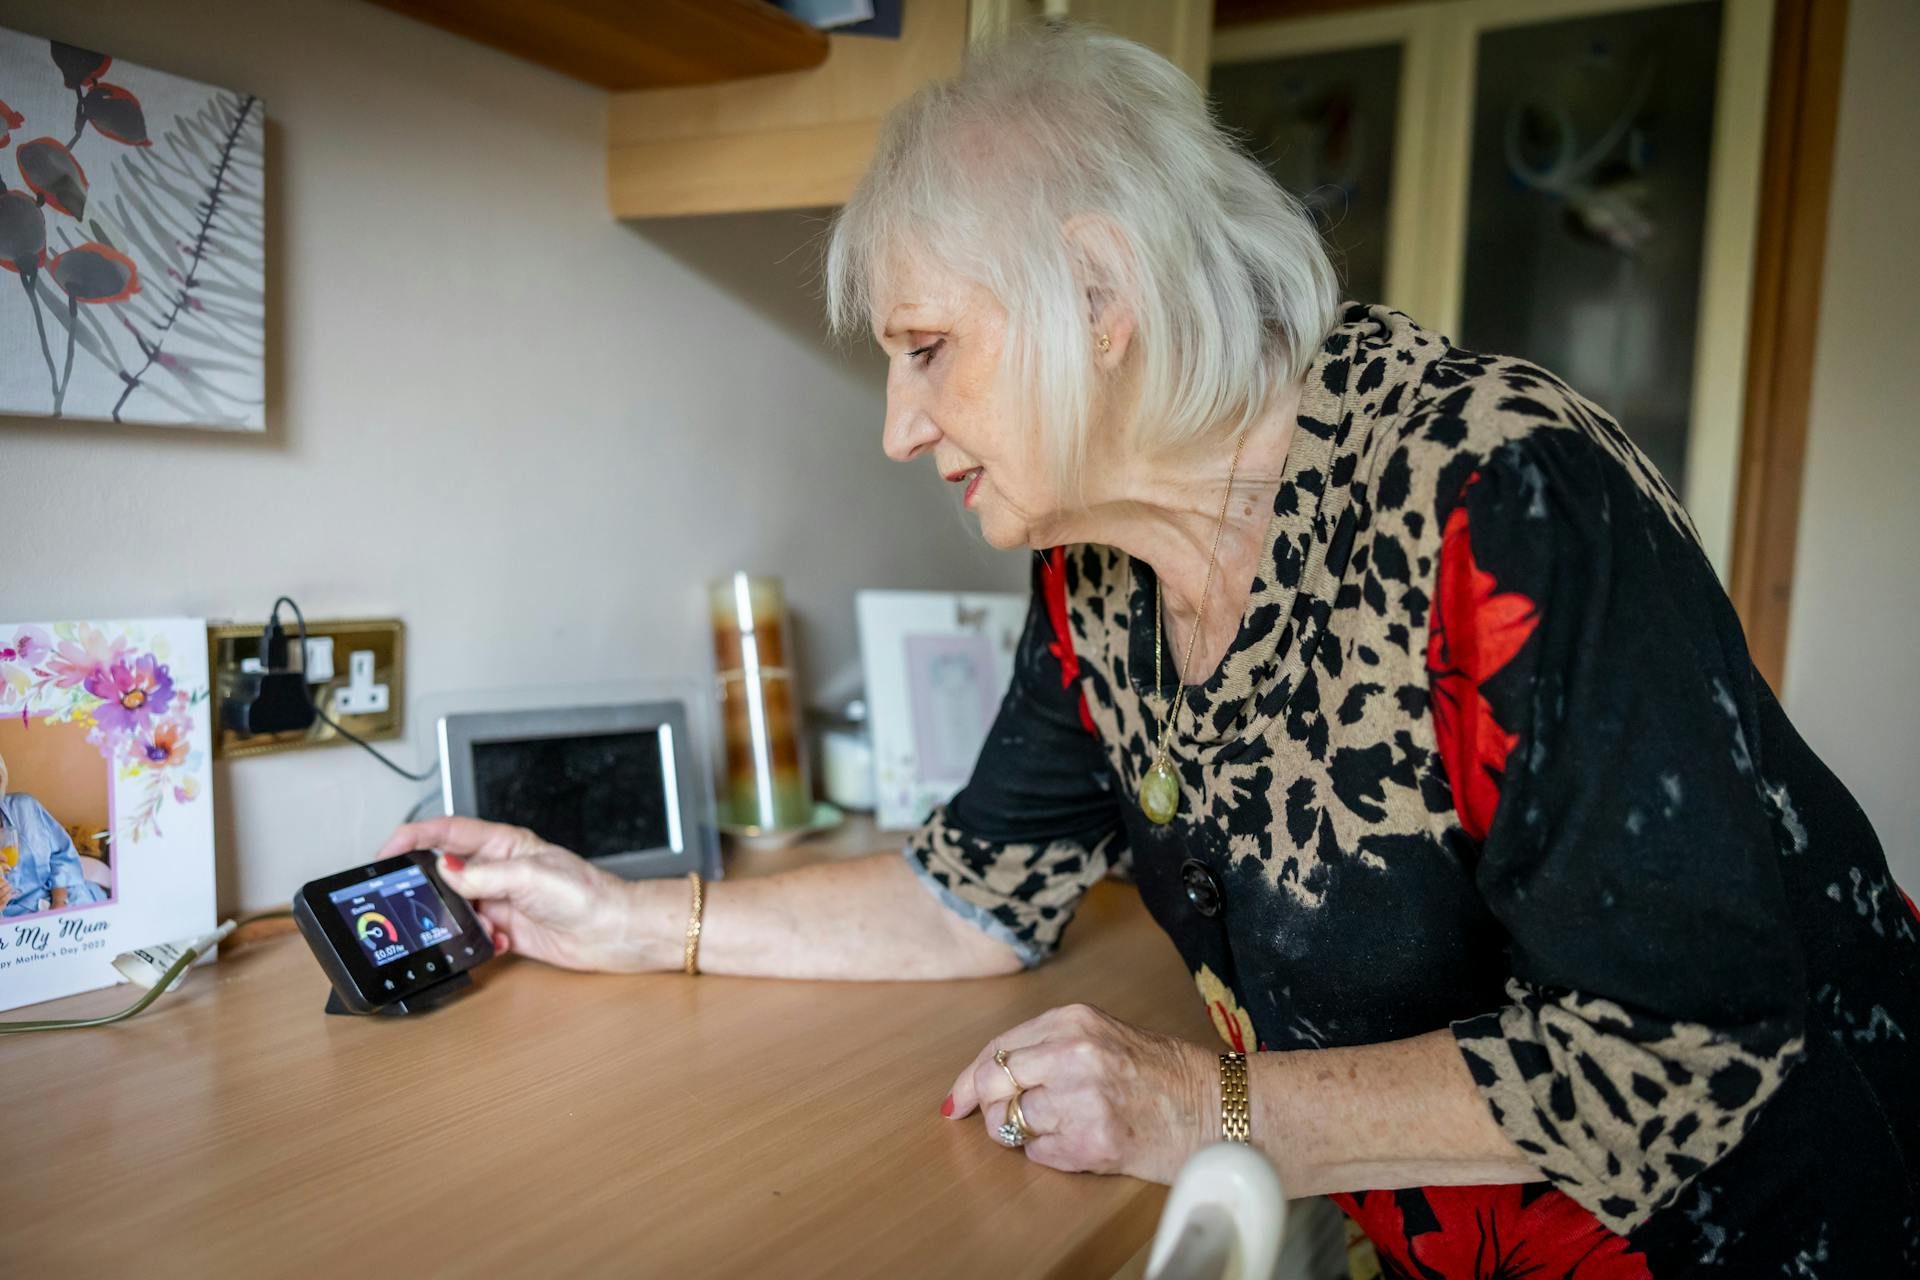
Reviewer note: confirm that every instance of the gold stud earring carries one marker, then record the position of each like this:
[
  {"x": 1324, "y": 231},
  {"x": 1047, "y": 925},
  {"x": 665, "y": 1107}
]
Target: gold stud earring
[{"x": 1106, "y": 343}]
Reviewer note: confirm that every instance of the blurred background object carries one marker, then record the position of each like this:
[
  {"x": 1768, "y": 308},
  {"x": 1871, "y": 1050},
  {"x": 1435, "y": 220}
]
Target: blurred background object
[
  {"x": 764, "y": 786},
  {"x": 846, "y": 756}
]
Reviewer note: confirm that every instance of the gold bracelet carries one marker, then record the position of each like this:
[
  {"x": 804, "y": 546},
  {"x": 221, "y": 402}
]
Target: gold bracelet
[
  {"x": 693, "y": 924},
  {"x": 1236, "y": 1116}
]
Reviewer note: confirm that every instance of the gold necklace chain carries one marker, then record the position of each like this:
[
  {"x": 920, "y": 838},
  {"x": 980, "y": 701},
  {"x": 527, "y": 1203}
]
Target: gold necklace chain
[{"x": 1160, "y": 764}]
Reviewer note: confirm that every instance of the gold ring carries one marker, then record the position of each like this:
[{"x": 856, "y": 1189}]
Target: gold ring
[
  {"x": 1013, "y": 1131},
  {"x": 1019, "y": 1117}
]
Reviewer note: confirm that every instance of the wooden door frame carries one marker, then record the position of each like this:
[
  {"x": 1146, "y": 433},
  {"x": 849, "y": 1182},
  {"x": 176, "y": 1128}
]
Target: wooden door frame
[
  {"x": 1803, "y": 102},
  {"x": 1803, "y": 108}
]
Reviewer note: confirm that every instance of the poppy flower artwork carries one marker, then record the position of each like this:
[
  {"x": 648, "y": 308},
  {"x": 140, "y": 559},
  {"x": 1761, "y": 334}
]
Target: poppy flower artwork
[{"x": 132, "y": 225}]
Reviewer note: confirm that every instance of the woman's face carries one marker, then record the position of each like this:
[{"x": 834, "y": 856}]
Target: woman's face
[{"x": 943, "y": 337}]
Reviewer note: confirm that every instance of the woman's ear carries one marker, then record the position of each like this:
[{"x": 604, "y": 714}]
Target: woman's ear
[
  {"x": 1103, "y": 266},
  {"x": 1112, "y": 332}
]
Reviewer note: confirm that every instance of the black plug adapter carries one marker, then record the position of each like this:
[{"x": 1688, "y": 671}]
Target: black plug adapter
[
  {"x": 272, "y": 700},
  {"x": 268, "y": 702}
]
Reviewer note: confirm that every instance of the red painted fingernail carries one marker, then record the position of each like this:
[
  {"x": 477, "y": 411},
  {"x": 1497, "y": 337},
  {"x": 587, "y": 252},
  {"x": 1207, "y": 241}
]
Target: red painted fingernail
[
  {"x": 946, "y": 1108},
  {"x": 453, "y": 862}
]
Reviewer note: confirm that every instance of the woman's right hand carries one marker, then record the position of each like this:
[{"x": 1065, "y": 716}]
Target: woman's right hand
[{"x": 534, "y": 897}]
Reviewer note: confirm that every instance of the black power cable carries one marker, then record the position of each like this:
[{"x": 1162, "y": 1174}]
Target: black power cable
[{"x": 273, "y": 625}]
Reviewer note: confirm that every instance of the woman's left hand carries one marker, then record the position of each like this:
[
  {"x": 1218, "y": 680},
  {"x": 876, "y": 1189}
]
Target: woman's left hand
[{"x": 1100, "y": 1096}]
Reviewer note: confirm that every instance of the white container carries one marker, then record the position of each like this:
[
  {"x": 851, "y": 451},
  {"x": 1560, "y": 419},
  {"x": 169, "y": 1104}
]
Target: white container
[{"x": 846, "y": 766}]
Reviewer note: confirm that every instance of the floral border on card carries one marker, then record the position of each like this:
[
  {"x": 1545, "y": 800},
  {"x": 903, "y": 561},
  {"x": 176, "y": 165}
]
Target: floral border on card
[{"x": 121, "y": 688}]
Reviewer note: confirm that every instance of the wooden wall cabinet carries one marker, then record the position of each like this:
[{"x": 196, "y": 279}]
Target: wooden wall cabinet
[
  {"x": 802, "y": 139},
  {"x": 621, "y": 44},
  {"x": 728, "y": 106}
]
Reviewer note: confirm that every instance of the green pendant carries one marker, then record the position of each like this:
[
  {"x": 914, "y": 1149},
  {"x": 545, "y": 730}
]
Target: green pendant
[{"x": 1160, "y": 793}]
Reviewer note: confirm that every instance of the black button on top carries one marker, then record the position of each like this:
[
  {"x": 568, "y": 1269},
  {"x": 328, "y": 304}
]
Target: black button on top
[{"x": 1203, "y": 891}]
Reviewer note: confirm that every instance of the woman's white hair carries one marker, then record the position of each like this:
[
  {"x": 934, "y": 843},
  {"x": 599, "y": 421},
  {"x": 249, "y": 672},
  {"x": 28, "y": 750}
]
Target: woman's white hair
[{"x": 1066, "y": 169}]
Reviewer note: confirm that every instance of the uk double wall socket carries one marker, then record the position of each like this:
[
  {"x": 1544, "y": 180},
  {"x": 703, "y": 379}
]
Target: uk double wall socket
[
  {"x": 366, "y": 697},
  {"x": 361, "y": 697}
]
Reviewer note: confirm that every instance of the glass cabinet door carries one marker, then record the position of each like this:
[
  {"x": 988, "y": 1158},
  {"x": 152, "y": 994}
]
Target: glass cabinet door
[
  {"x": 1570, "y": 181},
  {"x": 1323, "y": 124},
  {"x": 1586, "y": 208}
]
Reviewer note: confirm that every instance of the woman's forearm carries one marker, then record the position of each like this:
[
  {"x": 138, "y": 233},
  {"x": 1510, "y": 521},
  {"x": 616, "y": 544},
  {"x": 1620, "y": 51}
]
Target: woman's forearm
[
  {"x": 862, "y": 918},
  {"x": 1377, "y": 1117}
]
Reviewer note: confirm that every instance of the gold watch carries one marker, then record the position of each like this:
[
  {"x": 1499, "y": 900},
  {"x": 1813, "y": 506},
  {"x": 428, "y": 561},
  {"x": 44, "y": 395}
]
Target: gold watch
[{"x": 1236, "y": 1117}]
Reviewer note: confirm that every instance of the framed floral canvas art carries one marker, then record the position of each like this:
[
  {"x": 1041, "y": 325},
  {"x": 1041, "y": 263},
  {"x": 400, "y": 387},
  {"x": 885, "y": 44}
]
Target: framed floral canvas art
[
  {"x": 132, "y": 242},
  {"x": 106, "y": 807}
]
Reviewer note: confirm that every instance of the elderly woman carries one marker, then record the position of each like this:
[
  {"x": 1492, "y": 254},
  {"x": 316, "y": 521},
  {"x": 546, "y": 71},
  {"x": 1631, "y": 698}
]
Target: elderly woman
[
  {"x": 1395, "y": 676},
  {"x": 39, "y": 867}
]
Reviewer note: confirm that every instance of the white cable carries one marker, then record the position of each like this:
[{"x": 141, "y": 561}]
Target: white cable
[{"x": 145, "y": 966}]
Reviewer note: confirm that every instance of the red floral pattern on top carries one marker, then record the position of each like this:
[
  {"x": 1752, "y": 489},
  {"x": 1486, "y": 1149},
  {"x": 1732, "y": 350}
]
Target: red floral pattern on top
[
  {"x": 1053, "y": 573},
  {"x": 1487, "y": 1232},
  {"x": 1477, "y": 629},
  {"x": 1494, "y": 1233}
]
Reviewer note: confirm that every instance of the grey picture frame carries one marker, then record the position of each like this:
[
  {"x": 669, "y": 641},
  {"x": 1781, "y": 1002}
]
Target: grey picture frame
[{"x": 693, "y": 843}]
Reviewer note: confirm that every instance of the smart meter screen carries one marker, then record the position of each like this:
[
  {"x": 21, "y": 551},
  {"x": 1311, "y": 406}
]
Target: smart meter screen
[{"x": 395, "y": 915}]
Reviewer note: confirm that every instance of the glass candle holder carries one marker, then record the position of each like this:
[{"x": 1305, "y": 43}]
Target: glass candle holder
[{"x": 765, "y": 785}]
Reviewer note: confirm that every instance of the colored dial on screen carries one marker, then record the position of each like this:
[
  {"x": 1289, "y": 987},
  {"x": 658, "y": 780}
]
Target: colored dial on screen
[
  {"x": 376, "y": 930},
  {"x": 395, "y": 915}
]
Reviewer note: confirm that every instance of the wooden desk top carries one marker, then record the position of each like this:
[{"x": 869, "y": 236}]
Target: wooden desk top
[{"x": 557, "y": 1123}]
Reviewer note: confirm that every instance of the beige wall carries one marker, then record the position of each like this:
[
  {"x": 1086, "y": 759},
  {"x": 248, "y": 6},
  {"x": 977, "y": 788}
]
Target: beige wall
[
  {"x": 525, "y": 428},
  {"x": 1853, "y": 645}
]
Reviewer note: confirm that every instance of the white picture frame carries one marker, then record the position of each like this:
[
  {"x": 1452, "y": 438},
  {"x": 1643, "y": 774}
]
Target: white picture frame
[{"x": 937, "y": 665}]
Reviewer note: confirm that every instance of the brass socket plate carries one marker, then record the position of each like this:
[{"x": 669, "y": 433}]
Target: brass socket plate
[{"x": 229, "y": 642}]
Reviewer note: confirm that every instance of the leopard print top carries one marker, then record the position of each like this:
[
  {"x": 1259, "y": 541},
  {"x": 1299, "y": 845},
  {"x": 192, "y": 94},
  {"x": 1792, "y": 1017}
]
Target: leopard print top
[{"x": 1488, "y": 753}]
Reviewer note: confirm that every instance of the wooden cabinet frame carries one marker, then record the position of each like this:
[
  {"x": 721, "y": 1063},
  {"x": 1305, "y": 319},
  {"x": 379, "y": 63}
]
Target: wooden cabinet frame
[
  {"x": 774, "y": 142},
  {"x": 803, "y": 138},
  {"x": 1803, "y": 108}
]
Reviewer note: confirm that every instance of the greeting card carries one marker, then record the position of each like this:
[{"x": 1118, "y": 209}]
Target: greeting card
[{"x": 106, "y": 798}]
